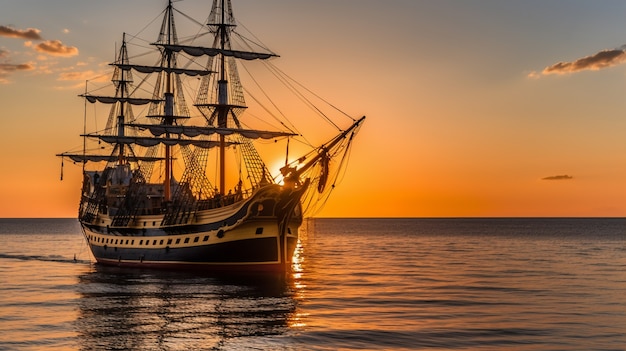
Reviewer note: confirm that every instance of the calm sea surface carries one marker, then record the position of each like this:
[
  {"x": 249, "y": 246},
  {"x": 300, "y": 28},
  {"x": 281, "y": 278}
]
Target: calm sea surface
[{"x": 358, "y": 284}]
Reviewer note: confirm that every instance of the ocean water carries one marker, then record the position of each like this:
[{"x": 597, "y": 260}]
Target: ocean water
[{"x": 357, "y": 284}]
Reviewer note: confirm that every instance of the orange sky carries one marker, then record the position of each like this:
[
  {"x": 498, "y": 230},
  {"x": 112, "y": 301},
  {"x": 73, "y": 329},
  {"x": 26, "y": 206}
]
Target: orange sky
[{"x": 467, "y": 112}]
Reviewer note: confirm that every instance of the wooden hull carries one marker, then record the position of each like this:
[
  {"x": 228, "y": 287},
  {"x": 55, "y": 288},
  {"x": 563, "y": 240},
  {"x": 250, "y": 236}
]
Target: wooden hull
[{"x": 258, "y": 234}]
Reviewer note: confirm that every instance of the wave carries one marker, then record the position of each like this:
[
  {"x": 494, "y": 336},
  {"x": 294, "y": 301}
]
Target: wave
[{"x": 49, "y": 258}]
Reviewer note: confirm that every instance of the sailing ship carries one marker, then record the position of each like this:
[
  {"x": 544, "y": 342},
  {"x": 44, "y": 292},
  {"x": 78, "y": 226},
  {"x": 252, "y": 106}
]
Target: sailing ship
[{"x": 158, "y": 191}]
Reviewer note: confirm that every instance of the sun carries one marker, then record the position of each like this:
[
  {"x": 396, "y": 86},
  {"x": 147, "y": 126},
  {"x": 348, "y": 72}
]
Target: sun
[{"x": 274, "y": 168}]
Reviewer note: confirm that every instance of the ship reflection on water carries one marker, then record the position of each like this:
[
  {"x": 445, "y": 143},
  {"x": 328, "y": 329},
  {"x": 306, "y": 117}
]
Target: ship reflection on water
[{"x": 156, "y": 310}]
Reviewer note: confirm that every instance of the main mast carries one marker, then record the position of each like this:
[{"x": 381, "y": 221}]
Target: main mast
[
  {"x": 169, "y": 105},
  {"x": 222, "y": 117}
]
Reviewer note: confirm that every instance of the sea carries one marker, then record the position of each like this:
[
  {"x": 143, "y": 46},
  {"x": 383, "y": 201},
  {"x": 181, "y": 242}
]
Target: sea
[{"x": 356, "y": 284}]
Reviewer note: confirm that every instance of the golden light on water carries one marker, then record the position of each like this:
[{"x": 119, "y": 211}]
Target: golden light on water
[
  {"x": 297, "y": 260},
  {"x": 297, "y": 320}
]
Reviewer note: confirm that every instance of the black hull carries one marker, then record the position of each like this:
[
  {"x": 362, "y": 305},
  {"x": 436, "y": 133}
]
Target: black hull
[{"x": 260, "y": 254}]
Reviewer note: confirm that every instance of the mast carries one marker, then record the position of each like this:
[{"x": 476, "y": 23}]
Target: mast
[
  {"x": 222, "y": 101},
  {"x": 169, "y": 106},
  {"x": 122, "y": 87},
  {"x": 226, "y": 95},
  {"x": 84, "y": 131}
]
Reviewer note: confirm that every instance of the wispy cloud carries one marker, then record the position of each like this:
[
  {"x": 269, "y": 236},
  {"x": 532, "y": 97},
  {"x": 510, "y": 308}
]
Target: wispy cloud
[
  {"x": 29, "y": 33},
  {"x": 74, "y": 77},
  {"x": 6, "y": 69},
  {"x": 54, "y": 48},
  {"x": 559, "y": 177},
  {"x": 83, "y": 76},
  {"x": 600, "y": 60}
]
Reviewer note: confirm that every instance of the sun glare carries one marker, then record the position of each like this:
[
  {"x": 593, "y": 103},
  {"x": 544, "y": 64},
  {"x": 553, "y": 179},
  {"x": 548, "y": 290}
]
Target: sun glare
[{"x": 274, "y": 168}]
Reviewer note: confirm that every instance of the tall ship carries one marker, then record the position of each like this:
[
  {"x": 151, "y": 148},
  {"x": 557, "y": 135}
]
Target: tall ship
[{"x": 176, "y": 176}]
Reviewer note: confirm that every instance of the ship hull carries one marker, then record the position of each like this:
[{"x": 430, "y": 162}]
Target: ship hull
[
  {"x": 237, "y": 249},
  {"x": 258, "y": 234}
]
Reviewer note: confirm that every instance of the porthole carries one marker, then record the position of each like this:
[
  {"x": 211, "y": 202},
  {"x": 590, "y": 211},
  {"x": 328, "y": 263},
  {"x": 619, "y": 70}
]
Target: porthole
[
  {"x": 259, "y": 230},
  {"x": 169, "y": 241},
  {"x": 178, "y": 241},
  {"x": 195, "y": 240},
  {"x": 206, "y": 238},
  {"x": 186, "y": 240}
]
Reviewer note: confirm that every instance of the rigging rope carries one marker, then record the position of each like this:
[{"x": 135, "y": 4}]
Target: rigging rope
[
  {"x": 309, "y": 91},
  {"x": 270, "y": 100}
]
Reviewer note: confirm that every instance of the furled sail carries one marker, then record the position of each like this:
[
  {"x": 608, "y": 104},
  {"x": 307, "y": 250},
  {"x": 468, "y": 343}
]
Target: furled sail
[
  {"x": 114, "y": 99},
  {"x": 157, "y": 69},
  {"x": 148, "y": 141},
  {"x": 200, "y": 51},
  {"x": 194, "y": 131},
  {"x": 107, "y": 158}
]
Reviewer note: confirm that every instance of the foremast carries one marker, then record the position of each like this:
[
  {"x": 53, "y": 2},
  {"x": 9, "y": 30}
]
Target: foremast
[{"x": 168, "y": 118}]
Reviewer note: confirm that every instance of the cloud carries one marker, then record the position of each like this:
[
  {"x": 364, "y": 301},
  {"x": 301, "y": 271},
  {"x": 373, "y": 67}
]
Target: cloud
[
  {"x": 79, "y": 76},
  {"x": 55, "y": 48},
  {"x": 30, "y": 33},
  {"x": 76, "y": 80},
  {"x": 600, "y": 60},
  {"x": 7, "y": 68},
  {"x": 558, "y": 177},
  {"x": 34, "y": 40}
]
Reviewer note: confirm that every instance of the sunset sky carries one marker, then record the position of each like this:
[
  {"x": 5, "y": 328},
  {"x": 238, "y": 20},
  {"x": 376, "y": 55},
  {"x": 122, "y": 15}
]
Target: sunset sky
[{"x": 474, "y": 108}]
